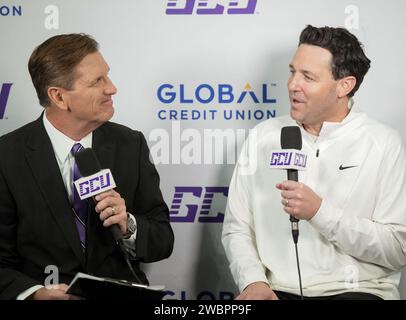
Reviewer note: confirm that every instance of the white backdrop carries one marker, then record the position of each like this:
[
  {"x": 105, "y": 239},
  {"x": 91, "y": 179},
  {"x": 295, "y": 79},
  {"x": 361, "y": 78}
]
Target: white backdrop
[{"x": 230, "y": 67}]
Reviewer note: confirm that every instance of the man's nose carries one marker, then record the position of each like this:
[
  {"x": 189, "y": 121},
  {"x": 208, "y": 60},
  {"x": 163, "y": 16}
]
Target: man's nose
[
  {"x": 110, "y": 88},
  {"x": 293, "y": 83}
]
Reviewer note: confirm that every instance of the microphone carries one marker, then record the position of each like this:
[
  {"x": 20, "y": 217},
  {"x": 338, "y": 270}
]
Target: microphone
[
  {"x": 94, "y": 181},
  {"x": 291, "y": 138}
]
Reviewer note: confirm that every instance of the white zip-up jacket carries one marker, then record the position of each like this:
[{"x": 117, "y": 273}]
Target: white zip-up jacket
[{"x": 357, "y": 239}]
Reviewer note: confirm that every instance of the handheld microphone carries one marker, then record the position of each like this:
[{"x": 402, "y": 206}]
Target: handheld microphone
[
  {"x": 94, "y": 181},
  {"x": 291, "y": 138}
]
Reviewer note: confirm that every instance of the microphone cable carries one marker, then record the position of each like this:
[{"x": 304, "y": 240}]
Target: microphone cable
[
  {"x": 124, "y": 252},
  {"x": 295, "y": 236}
]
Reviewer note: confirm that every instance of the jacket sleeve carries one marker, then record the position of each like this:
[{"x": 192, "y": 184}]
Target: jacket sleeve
[
  {"x": 380, "y": 239},
  {"x": 12, "y": 282},
  {"x": 155, "y": 236},
  {"x": 238, "y": 234}
]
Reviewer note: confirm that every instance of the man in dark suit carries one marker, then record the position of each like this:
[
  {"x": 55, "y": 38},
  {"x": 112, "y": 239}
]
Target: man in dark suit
[{"x": 39, "y": 226}]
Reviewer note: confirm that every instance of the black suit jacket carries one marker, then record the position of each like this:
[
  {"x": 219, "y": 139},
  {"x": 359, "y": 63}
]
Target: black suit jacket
[{"x": 37, "y": 228}]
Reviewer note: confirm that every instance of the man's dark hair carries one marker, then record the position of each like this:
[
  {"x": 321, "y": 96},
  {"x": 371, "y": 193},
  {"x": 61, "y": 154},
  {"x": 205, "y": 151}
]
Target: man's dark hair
[
  {"x": 53, "y": 62},
  {"x": 348, "y": 59}
]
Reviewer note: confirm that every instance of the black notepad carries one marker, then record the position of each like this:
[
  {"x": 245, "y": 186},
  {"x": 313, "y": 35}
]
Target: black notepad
[{"x": 96, "y": 288}]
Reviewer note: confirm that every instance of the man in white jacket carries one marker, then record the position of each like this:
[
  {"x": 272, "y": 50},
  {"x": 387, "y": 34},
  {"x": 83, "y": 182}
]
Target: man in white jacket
[{"x": 351, "y": 200}]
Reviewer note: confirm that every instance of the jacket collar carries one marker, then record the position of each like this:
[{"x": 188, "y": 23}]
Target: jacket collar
[{"x": 40, "y": 157}]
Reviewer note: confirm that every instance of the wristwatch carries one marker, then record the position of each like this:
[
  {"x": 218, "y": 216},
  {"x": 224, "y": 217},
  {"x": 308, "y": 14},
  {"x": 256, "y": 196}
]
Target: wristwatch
[{"x": 131, "y": 226}]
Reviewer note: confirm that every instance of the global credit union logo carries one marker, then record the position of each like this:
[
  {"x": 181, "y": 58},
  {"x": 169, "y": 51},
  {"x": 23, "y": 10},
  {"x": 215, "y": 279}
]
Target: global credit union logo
[
  {"x": 213, "y": 101},
  {"x": 210, "y": 7},
  {"x": 10, "y": 11},
  {"x": 4, "y": 94},
  {"x": 206, "y": 93},
  {"x": 202, "y": 295}
]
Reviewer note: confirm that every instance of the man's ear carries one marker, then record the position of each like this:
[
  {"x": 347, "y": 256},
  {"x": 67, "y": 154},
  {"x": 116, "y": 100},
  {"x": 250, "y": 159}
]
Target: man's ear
[
  {"x": 57, "y": 95},
  {"x": 345, "y": 86}
]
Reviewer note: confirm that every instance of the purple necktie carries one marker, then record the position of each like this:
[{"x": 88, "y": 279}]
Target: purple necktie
[{"x": 79, "y": 206}]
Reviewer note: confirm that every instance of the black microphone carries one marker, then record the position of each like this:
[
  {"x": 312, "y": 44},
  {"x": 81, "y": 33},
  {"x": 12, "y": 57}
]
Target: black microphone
[
  {"x": 291, "y": 138},
  {"x": 88, "y": 164}
]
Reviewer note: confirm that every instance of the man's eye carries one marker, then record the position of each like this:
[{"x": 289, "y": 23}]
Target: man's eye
[{"x": 97, "y": 81}]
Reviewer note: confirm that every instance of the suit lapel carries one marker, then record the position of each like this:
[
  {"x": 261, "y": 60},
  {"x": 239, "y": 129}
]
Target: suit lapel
[{"x": 41, "y": 159}]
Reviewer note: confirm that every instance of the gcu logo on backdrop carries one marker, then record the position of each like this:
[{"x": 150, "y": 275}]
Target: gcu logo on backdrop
[
  {"x": 204, "y": 213},
  {"x": 4, "y": 93},
  {"x": 211, "y": 7}
]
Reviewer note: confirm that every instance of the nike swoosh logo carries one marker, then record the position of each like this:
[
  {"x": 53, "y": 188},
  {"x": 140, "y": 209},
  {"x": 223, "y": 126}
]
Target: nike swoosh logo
[{"x": 343, "y": 168}]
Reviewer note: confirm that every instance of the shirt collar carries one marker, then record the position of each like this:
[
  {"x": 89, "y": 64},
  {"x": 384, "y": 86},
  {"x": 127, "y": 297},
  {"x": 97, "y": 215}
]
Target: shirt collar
[{"x": 61, "y": 143}]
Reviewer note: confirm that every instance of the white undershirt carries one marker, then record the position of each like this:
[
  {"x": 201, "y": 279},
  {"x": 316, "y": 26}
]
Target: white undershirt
[{"x": 62, "y": 146}]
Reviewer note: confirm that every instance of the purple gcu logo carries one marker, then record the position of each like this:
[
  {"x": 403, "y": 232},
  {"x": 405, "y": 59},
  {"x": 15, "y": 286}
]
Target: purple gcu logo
[
  {"x": 300, "y": 160},
  {"x": 193, "y": 208},
  {"x": 281, "y": 158},
  {"x": 100, "y": 182},
  {"x": 4, "y": 93},
  {"x": 233, "y": 7}
]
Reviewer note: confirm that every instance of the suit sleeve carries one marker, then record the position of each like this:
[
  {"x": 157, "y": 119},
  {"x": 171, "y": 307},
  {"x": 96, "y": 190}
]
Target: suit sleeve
[
  {"x": 154, "y": 233},
  {"x": 12, "y": 282}
]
